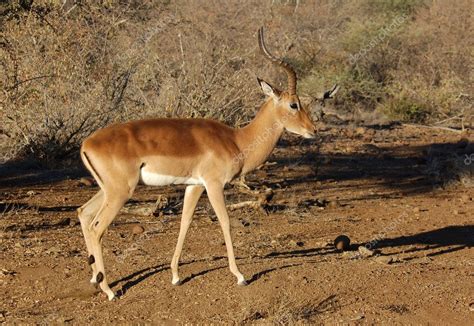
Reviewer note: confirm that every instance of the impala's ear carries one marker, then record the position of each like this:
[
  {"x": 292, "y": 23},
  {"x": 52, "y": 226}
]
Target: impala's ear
[{"x": 268, "y": 89}]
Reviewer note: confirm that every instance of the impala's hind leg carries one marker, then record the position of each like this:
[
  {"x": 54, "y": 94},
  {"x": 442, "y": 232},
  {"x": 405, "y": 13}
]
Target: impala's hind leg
[
  {"x": 86, "y": 213},
  {"x": 108, "y": 211},
  {"x": 117, "y": 179}
]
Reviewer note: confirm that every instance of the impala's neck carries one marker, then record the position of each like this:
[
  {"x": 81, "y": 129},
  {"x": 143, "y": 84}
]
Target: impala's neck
[{"x": 258, "y": 139}]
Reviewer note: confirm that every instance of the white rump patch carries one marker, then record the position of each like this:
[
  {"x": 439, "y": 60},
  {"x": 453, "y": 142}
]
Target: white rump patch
[{"x": 155, "y": 179}]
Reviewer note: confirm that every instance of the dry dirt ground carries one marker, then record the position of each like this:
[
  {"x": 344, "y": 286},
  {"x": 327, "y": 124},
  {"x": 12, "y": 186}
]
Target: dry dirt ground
[{"x": 394, "y": 189}]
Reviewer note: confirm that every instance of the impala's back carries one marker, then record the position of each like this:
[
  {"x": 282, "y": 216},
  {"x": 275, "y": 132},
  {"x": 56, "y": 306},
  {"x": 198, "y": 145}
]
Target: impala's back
[{"x": 163, "y": 151}]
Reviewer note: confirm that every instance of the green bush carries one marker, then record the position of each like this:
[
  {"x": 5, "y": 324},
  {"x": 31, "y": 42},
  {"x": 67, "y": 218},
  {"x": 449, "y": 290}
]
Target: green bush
[{"x": 406, "y": 109}]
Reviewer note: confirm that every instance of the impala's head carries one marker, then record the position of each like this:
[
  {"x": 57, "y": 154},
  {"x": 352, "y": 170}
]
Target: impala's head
[
  {"x": 289, "y": 111},
  {"x": 294, "y": 117}
]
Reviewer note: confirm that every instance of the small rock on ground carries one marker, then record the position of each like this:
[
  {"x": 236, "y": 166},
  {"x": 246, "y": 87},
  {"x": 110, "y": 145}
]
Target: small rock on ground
[
  {"x": 365, "y": 252},
  {"x": 138, "y": 229},
  {"x": 384, "y": 259}
]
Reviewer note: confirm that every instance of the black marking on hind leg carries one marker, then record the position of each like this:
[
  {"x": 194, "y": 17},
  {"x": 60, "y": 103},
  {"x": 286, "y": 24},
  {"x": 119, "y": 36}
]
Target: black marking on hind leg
[
  {"x": 91, "y": 259},
  {"x": 100, "y": 277}
]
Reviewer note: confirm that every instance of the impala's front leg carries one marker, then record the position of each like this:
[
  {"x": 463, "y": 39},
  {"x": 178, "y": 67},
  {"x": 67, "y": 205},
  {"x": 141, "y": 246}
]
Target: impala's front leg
[
  {"x": 191, "y": 198},
  {"x": 215, "y": 192}
]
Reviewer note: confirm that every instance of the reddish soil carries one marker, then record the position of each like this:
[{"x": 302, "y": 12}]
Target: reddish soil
[{"x": 379, "y": 186}]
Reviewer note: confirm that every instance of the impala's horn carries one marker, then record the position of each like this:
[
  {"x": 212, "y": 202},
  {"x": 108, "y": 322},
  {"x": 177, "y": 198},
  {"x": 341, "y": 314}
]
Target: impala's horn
[
  {"x": 329, "y": 94},
  {"x": 289, "y": 70}
]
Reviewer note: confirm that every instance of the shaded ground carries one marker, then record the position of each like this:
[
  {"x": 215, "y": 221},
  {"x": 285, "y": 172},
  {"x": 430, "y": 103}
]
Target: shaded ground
[{"x": 396, "y": 189}]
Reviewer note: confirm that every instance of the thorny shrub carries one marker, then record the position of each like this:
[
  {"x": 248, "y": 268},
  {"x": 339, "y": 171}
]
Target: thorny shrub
[{"x": 71, "y": 67}]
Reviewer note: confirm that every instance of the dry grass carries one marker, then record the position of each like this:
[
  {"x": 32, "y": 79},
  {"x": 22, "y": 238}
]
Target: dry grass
[
  {"x": 451, "y": 166},
  {"x": 286, "y": 309},
  {"x": 283, "y": 308},
  {"x": 72, "y": 67}
]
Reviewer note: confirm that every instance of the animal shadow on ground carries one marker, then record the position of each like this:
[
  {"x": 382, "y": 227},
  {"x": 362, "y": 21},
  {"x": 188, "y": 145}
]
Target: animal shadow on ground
[
  {"x": 139, "y": 276},
  {"x": 447, "y": 239},
  {"x": 439, "y": 241}
]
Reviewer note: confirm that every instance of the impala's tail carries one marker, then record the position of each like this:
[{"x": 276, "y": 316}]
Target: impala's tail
[{"x": 91, "y": 168}]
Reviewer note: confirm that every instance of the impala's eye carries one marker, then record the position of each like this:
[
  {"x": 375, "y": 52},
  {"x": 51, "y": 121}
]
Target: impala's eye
[{"x": 294, "y": 106}]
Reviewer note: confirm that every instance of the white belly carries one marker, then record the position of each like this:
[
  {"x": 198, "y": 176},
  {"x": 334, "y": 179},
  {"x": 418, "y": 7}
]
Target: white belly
[{"x": 155, "y": 179}]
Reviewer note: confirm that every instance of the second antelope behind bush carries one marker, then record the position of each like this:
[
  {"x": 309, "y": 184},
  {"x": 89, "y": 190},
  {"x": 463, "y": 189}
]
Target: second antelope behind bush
[{"x": 202, "y": 153}]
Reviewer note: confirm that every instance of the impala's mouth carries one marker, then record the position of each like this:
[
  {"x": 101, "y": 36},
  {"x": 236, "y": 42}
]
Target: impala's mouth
[{"x": 303, "y": 133}]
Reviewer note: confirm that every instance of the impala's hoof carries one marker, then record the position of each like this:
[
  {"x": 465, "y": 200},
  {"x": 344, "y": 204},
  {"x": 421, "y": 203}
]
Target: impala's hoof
[
  {"x": 176, "y": 282},
  {"x": 110, "y": 294},
  {"x": 242, "y": 283}
]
